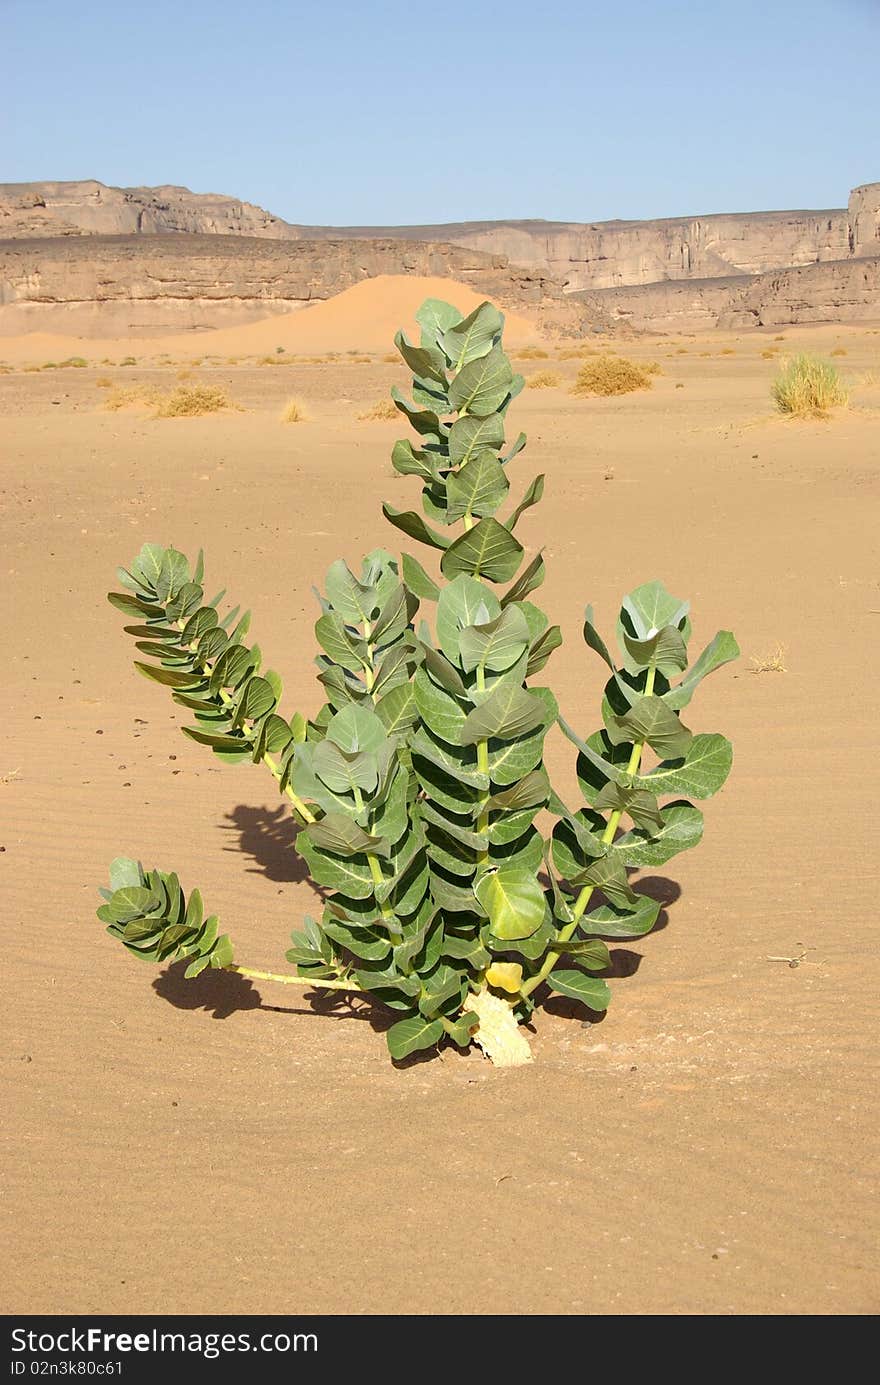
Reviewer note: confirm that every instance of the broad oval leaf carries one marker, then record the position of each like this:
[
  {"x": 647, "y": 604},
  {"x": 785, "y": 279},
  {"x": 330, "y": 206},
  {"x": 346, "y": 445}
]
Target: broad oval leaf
[
  {"x": 488, "y": 550},
  {"x": 513, "y": 900}
]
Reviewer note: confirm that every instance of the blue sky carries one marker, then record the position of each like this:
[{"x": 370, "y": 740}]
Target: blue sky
[{"x": 390, "y": 112}]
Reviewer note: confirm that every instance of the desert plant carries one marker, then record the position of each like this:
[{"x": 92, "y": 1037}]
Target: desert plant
[
  {"x": 607, "y": 375},
  {"x": 807, "y": 387},
  {"x": 544, "y": 380},
  {"x": 192, "y": 401},
  {"x": 417, "y": 784},
  {"x": 293, "y": 412},
  {"x": 531, "y": 353},
  {"x": 382, "y": 412},
  {"x": 839, "y": 351}
]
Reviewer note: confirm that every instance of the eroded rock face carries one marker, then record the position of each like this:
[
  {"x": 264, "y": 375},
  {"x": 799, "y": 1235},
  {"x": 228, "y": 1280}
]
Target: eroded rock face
[
  {"x": 609, "y": 254},
  {"x": 863, "y": 219},
  {"x": 834, "y": 291},
  {"x": 100, "y": 285}
]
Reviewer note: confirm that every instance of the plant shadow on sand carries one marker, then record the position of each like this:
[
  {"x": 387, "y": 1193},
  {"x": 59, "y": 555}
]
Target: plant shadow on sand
[{"x": 268, "y": 836}]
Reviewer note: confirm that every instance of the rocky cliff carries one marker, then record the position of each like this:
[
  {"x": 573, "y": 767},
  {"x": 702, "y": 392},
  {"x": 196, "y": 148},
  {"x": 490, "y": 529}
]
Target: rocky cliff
[
  {"x": 120, "y": 285},
  {"x": 609, "y": 254},
  {"x": 834, "y": 291}
]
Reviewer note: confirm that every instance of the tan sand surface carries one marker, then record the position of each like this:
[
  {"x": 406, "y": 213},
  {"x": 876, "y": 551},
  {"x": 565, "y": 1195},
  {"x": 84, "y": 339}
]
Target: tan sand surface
[
  {"x": 706, "y": 1148},
  {"x": 364, "y": 317}
]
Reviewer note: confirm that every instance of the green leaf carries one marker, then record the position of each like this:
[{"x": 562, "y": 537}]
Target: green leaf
[
  {"x": 464, "y": 602},
  {"x": 440, "y": 711},
  {"x": 590, "y": 990},
  {"x": 344, "y": 771},
  {"x": 638, "y": 803},
  {"x": 530, "y": 578},
  {"x": 440, "y": 987},
  {"x": 665, "y": 649},
  {"x": 608, "y": 921},
  {"x": 424, "y": 421},
  {"x": 488, "y": 550},
  {"x": 417, "y": 580},
  {"x": 357, "y": 728},
  {"x": 650, "y": 607},
  {"x": 464, "y": 1026},
  {"x": 595, "y": 640},
  {"x": 436, "y": 317},
  {"x": 348, "y": 596},
  {"x": 482, "y": 386},
  {"x": 338, "y": 644},
  {"x": 682, "y": 828},
  {"x": 542, "y": 648},
  {"x": 532, "y": 791},
  {"x": 219, "y": 740},
  {"x": 397, "y": 710},
  {"x": 700, "y": 772},
  {"x": 507, "y": 713},
  {"x": 169, "y": 677},
  {"x": 514, "y": 901},
  {"x": 443, "y": 672},
  {"x": 470, "y": 435},
  {"x": 341, "y": 835},
  {"x": 409, "y": 462},
  {"x": 474, "y": 336},
  {"x": 478, "y": 489},
  {"x": 413, "y": 525},
  {"x": 133, "y": 902},
  {"x": 427, "y": 362},
  {"x": 411, "y": 1034},
  {"x": 350, "y": 875},
  {"x": 720, "y": 651},
  {"x": 495, "y": 644},
  {"x": 591, "y": 953},
  {"x": 257, "y": 698},
  {"x": 531, "y": 497},
  {"x": 608, "y": 874},
  {"x": 124, "y": 871},
  {"x": 649, "y": 719}
]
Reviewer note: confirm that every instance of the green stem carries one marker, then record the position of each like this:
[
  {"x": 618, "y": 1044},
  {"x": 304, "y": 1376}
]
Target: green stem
[
  {"x": 483, "y": 767},
  {"x": 586, "y": 893},
  {"x": 286, "y": 980}
]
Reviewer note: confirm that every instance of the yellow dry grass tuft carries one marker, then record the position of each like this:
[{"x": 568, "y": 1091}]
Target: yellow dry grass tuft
[
  {"x": 293, "y": 412},
  {"x": 192, "y": 402},
  {"x": 769, "y": 354},
  {"x": 770, "y": 663},
  {"x": 104, "y": 383},
  {"x": 183, "y": 402},
  {"x": 544, "y": 380},
  {"x": 808, "y": 387},
  {"x": 607, "y": 375},
  {"x": 839, "y": 351},
  {"x": 382, "y": 412},
  {"x": 531, "y": 353}
]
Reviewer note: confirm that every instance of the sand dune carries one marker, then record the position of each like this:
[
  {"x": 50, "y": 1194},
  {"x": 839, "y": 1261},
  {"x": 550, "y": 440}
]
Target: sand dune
[{"x": 364, "y": 317}]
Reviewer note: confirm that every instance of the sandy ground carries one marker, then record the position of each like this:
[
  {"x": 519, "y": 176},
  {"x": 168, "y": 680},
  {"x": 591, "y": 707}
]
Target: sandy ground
[{"x": 706, "y": 1148}]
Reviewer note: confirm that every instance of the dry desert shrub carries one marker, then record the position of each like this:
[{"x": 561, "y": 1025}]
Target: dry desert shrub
[
  {"x": 382, "y": 412},
  {"x": 839, "y": 351},
  {"x": 128, "y": 360},
  {"x": 185, "y": 374},
  {"x": 770, "y": 663},
  {"x": 269, "y": 360},
  {"x": 609, "y": 375},
  {"x": 390, "y": 359},
  {"x": 577, "y": 353},
  {"x": 183, "y": 402},
  {"x": 807, "y": 387},
  {"x": 362, "y": 360},
  {"x": 769, "y": 354},
  {"x": 727, "y": 351},
  {"x": 138, "y": 397},
  {"x": 682, "y": 351},
  {"x": 192, "y": 402},
  {"x": 293, "y": 412},
  {"x": 544, "y": 380},
  {"x": 531, "y": 353},
  {"x": 104, "y": 383},
  {"x": 779, "y": 338},
  {"x": 31, "y": 369}
]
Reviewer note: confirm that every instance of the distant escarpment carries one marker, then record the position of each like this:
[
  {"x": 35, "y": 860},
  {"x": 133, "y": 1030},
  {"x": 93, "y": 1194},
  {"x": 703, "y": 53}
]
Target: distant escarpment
[
  {"x": 143, "y": 285},
  {"x": 581, "y": 255},
  {"x": 90, "y": 259}
]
